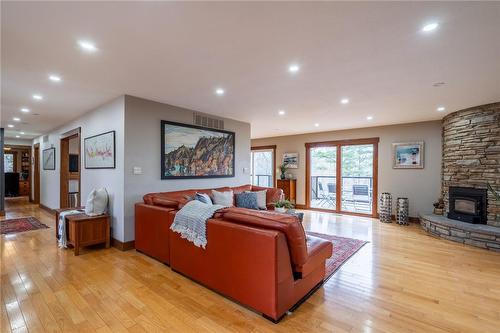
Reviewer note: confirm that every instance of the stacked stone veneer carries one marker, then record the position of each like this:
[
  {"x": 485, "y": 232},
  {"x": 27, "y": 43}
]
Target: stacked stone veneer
[{"x": 471, "y": 153}]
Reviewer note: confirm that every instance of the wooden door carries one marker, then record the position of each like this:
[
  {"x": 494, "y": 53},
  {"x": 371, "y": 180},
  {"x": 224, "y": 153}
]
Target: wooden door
[{"x": 36, "y": 174}]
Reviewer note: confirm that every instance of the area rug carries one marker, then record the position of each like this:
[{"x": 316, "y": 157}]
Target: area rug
[
  {"x": 12, "y": 226},
  {"x": 343, "y": 249}
]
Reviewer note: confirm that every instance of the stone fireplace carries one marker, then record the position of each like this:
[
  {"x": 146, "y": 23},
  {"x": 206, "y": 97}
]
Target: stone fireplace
[
  {"x": 471, "y": 161},
  {"x": 471, "y": 154}
]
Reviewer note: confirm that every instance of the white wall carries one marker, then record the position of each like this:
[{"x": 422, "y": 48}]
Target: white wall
[
  {"x": 103, "y": 119},
  {"x": 17, "y": 142},
  {"x": 421, "y": 186},
  {"x": 142, "y": 149}
]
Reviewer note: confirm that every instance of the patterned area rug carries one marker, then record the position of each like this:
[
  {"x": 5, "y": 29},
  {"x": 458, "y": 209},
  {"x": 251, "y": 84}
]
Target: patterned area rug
[
  {"x": 343, "y": 249},
  {"x": 12, "y": 226}
]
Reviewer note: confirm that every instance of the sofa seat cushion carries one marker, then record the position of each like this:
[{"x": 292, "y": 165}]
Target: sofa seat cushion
[
  {"x": 318, "y": 251},
  {"x": 287, "y": 224}
]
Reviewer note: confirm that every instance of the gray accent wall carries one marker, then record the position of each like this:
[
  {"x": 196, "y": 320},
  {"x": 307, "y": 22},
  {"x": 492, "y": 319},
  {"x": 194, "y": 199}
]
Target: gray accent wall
[
  {"x": 142, "y": 149},
  {"x": 421, "y": 186}
]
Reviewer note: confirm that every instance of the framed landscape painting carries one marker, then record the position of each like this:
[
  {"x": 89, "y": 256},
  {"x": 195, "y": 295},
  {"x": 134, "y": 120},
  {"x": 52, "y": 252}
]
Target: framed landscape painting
[
  {"x": 408, "y": 155},
  {"x": 291, "y": 160},
  {"x": 99, "y": 151},
  {"x": 189, "y": 151},
  {"x": 49, "y": 159}
]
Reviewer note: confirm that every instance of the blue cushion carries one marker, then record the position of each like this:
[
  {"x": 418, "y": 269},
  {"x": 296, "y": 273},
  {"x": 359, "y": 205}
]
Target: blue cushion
[
  {"x": 203, "y": 198},
  {"x": 247, "y": 200}
]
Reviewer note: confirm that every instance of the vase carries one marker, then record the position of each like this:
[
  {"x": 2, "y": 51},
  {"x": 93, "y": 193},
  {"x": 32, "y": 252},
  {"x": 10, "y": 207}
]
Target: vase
[
  {"x": 402, "y": 208},
  {"x": 280, "y": 209},
  {"x": 385, "y": 207}
]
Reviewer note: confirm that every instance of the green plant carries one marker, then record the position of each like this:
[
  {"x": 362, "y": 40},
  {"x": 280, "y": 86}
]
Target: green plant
[
  {"x": 283, "y": 167},
  {"x": 284, "y": 204}
]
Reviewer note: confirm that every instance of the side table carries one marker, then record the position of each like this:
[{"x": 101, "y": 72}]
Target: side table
[{"x": 83, "y": 230}]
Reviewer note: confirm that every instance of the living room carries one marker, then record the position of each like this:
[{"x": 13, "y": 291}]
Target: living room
[{"x": 250, "y": 166}]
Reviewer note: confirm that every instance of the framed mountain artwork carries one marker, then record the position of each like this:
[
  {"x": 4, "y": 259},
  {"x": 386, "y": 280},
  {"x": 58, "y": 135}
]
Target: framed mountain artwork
[
  {"x": 189, "y": 151},
  {"x": 99, "y": 151}
]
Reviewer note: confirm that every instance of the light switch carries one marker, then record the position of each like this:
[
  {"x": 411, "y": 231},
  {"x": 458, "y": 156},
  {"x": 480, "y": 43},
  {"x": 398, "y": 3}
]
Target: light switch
[
  {"x": 245, "y": 170},
  {"x": 137, "y": 171}
]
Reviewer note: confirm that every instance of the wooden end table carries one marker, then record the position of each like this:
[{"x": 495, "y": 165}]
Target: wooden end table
[{"x": 83, "y": 230}]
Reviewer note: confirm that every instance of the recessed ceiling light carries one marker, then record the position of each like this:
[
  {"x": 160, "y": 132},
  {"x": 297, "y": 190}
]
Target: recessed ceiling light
[
  {"x": 22, "y": 133},
  {"x": 18, "y": 136},
  {"x": 369, "y": 118},
  {"x": 281, "y": 112},
  {"x": 25, "y": 110},
  {"x": 220, "y": 91},
  {"x": 441, "y": 108},
  {"x": 16, "y": 119},
  {"x": 316, "y": 125},
  {"x": 37, "y": 97},
  {"x": 293, "y": 68},
  {"x": 54, "y": 78},
  {"x": 87, "y": 46},
  {"x": 438, "y": 84},
  {"x": 430, "y": 27},
  {"x": 10, "y": 126},
  {"x": 344, "y": 101}
]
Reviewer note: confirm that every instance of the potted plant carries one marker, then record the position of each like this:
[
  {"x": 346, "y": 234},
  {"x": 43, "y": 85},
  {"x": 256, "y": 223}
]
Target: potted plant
[
  {"x": 282, "y": 206},
  {"x": 283, "y": 167}
]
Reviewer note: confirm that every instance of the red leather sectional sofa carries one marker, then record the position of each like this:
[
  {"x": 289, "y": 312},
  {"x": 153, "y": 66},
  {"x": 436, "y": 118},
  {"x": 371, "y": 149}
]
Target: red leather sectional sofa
[{"x": 260, "y": 259}]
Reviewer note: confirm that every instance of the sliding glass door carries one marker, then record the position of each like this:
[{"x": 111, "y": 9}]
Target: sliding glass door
[
  {"x": 342, "y": 176},
  {"x": 263, "y": 166}
]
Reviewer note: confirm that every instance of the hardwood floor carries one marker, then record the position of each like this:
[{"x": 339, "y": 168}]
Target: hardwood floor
[{"x": 402, "y": 281}]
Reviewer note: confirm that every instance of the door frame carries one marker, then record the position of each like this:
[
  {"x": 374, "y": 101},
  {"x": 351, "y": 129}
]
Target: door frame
[
  {"x": 339, "y": 144},
  {"x": 36, "y": 174},
  {"x": 269, "y": 147},
  {"x": 65, "y": 175}
]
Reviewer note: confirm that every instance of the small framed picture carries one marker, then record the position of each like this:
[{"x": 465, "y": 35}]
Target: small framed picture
[
  {"x": 408, "y": 155},
  {"x": 291, "y": 160},
  {"x": 99, "y": 151},
  {"x": 49, "y": 159}
]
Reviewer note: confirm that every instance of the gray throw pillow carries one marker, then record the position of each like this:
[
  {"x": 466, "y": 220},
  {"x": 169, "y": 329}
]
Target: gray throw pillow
[
  {"x": 261, "y": 198},
  {"x": 247, "y": 200}
]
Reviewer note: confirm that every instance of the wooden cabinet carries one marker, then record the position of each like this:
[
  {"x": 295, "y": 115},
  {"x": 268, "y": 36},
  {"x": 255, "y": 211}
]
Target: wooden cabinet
[
  {"x": 24, "y": 187},
  {"x": 289, "y": 187}
]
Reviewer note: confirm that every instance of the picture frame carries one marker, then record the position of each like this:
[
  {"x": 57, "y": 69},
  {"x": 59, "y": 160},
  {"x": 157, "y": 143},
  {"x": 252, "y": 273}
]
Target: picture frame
[
  {"x": 49, "y": 159},
  {"x": 100, "y": 151},
  {"x": 291, "y": 160},
  {"x": 408, "y": 155},
  {"x": 190, "y": 151}
]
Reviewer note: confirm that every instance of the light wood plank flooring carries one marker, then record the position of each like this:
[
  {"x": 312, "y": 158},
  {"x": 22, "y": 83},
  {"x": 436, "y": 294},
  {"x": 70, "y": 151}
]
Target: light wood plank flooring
[{"x": 402, "y": 281}]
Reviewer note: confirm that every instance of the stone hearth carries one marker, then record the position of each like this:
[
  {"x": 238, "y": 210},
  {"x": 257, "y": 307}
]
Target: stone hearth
[
  {"x": 471, "y": 153},
  {"x": 479, "y": 235}
]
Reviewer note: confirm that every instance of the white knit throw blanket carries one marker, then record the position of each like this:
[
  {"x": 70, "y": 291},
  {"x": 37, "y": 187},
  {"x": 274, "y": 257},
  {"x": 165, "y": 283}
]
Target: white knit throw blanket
[
  {"x": 61, "y": 231},
  {"x": 191, "y": 221}
]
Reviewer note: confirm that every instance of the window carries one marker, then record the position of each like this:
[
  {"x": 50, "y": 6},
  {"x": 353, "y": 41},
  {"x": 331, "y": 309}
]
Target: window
[
  {"x": 263, "y": 166},
  {"x": 8, "y": 162}
]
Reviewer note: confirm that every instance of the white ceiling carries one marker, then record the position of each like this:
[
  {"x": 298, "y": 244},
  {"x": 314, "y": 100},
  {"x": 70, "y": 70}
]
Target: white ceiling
[{"x": 178, "y": 53}]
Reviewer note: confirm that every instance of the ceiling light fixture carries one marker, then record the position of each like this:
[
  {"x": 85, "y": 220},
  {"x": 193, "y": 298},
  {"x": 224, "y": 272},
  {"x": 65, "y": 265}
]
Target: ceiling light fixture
[
  {"x": 54, "y": 78},
  {"x": 87, "y": 46},
  {"x": 441, "y": 108},
  {"x": 220, "y": 91},
  {"x": 293, "y": 68},
  {"x": 18, "y": 136},
  {"x": 10, "y": 126},
  {"x": 37, "y": 97},
  {"x": 316, "y": 125},
  {"x": 22, "y": 133},
  {"x": 369, "y": 118},
  {"x": 430, "y": 27},
  {"x": 16, "y": 119},
  {"x": 281, "y": 112},
  {"x": 344, "y": 101},
  {"x": 25, "y": 110}
]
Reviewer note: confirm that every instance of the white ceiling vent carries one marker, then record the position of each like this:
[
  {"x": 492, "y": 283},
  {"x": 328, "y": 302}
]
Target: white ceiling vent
[{"x": 206, "y": 121}]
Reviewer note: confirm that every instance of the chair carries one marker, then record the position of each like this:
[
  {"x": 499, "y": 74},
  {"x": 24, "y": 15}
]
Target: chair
[{"x": 360, "y": 194}]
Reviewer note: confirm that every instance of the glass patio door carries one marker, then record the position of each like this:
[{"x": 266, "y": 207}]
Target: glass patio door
[
  {"x": 342, "y": 176},
  {"x": 262, "y": 167}
]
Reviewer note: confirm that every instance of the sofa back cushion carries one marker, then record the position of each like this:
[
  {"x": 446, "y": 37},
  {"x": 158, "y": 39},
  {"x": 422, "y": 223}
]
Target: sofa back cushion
[{"x": 287, "y": 224}]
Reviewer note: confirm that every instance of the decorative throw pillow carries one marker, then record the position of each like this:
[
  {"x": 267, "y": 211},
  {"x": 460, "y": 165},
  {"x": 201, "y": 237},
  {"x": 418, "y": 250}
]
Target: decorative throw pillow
[
  {"x": 222, "y": 198},
  {"x": 247, "y": 200},
  {"x": 97, "y": 202},
  {"x": 261, "y": 198},
  {"x": 203, "y": 197}
]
